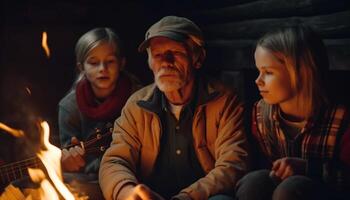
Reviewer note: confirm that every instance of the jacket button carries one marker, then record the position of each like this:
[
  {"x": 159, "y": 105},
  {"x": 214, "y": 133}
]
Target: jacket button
[{"x": 178, "y": 151}]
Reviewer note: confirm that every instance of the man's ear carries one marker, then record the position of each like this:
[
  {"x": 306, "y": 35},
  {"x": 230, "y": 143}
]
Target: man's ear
[
  {"x": 122, "y": 63},
  {"x": 199, "y": 61}
]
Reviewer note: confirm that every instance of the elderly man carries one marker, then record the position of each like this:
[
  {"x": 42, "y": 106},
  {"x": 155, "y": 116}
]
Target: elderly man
[{"x": 181, "y": 137}]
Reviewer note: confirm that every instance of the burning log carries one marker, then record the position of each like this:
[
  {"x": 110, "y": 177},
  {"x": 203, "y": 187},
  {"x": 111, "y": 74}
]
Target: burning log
[{"x": 12, "y": 193}]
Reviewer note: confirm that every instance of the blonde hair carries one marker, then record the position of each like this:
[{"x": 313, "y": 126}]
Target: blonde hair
[{"x": 303, "y": 53}]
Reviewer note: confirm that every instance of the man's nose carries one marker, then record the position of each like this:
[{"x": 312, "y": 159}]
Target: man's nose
[{"x": 168, "y": 56}]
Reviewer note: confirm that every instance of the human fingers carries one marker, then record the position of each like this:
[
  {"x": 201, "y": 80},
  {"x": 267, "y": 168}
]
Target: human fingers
[
  {"x": 77, "y": 151},
  {"x": 288, "y": 171},
  {"x": 133, "y": 196},
  {"x": 68, "y": 162},
  {"x": 276, "y": 165},
  {"x": 77, "y": 155},
  {"x": 74, "y": 140},
  {"x": 64, "y": 154},
  {"x": 281, "y": 168},
  {"x": 143, "y": 192}
]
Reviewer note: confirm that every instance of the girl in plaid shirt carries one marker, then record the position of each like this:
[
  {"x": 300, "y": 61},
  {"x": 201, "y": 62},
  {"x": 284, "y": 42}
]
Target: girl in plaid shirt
[{"x": 299, "y": 134}]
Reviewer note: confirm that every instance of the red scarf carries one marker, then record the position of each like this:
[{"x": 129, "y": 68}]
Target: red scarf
[{"x": 110, "y": 108}]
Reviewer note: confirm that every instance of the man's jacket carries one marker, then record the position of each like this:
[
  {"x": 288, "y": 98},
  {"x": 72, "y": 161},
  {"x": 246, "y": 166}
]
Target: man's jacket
[{"x": 218, "y": 137}]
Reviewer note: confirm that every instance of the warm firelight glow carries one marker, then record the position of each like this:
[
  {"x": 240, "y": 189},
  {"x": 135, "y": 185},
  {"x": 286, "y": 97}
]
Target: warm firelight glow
[
  {"x": 13, "y": 132},
  {"x": 44, "y": 44},
  {"x": 49, "y": 179},
  {"x": 46, "y": 189},
  {"x": 50, "y": 156}
]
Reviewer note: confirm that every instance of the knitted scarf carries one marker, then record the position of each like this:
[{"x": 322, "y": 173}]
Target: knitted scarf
[{"x": 110, "y": 108}]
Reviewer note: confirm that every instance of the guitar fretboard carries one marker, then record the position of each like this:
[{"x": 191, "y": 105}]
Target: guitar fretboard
[{"x": 17, "y": 170}]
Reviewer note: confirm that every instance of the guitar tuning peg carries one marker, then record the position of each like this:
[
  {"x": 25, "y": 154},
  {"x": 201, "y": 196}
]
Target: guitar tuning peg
[
  {"x": 102, "y": 149},
  {"x": 97, "y": 130},
  {"x": 109, "y": 125},
  {"x": 111, "y": 129}
]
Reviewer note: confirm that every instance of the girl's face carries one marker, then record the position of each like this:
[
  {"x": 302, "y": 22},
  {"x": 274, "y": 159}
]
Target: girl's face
[
  {"x": 273, "y": 81},
  {"x": 102, "y": 67}
]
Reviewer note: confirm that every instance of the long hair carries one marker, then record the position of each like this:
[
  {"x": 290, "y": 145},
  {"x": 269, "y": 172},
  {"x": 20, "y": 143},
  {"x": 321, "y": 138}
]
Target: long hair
[
  {"x": 303, "y": 53},
  {"x": 93, "y": 38}
]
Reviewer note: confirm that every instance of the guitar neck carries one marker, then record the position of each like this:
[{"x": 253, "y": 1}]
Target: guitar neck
[{"x": 17, "y": 170}]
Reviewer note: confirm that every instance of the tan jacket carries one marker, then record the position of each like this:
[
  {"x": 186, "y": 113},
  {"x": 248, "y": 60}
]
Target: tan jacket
[{"x": 219, "y": 142}]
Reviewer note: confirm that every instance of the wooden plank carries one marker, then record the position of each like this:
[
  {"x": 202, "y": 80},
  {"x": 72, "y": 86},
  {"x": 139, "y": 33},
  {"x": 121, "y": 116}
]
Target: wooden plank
[
  {"x": 336, "y": 25},
  {"x": 270, "y": 9},
  {"x": 234, "y": 80},
  {"x": 210, "y": 4},
  {"x": 239, "y": 54},
  {"x": 230, "y": 54},
  {"x": 339, "y": 54}
]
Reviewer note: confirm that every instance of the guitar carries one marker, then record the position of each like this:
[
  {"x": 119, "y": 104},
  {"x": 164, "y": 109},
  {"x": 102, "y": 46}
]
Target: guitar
[{"x": 96, "y": 144}]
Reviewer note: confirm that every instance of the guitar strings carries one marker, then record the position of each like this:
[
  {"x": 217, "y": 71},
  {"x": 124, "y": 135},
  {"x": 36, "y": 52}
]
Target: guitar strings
[{"x": 9, "y": 169}]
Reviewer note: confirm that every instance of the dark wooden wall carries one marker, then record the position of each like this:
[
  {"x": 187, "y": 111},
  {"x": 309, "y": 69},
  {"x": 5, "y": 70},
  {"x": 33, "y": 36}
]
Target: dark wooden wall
[{"x": 231, "y": 28}]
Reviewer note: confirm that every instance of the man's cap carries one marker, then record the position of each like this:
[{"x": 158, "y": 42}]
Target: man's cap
[{"x": 175, "y": 28}]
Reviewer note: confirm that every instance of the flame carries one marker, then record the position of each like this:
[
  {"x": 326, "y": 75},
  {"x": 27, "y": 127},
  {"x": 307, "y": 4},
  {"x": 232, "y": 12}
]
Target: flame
[
  {"x": 50, "y": 156},
  {"x": 29, "y": 91},
  {"x": 11, "y": 131},
  {"x": 46, "y": 189},
  {"x": 51, "y": 187},
  {"x": 44, "y": 44}
]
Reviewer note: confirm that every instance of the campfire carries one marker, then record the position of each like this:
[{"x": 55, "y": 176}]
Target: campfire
[{"x": 49, "y": 178}]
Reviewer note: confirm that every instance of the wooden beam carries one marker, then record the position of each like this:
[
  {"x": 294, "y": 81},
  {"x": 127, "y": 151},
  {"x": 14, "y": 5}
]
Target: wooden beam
[
  {"x": 336, "y": 25},
  {"x": 239, "y": 54},
  {"x": 269, "y": 9}
]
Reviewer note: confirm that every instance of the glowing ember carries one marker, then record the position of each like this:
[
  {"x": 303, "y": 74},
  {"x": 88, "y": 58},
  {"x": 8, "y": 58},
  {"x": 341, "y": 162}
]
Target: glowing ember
[
  {"x": 28, "y": 90},
  {"x": 44, "y": 44},
  {"x": 14, "y": 132}
]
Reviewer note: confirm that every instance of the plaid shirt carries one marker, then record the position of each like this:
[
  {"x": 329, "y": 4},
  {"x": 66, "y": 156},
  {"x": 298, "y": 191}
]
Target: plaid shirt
[{"x": 318, "y": 142}]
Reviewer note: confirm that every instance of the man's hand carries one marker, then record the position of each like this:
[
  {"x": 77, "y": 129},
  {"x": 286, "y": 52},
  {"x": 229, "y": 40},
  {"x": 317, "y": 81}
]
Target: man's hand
[
  {"x": 138, "y": 192},
  {"x": 288, "y": 166},
  {"x": 72, "y": 159}
]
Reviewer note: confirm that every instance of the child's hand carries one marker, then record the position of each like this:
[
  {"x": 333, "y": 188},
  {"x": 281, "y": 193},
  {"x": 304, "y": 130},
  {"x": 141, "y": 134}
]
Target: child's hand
[
  {"x": 72, "y": 159},
  {"x": 288, "y": 166}
]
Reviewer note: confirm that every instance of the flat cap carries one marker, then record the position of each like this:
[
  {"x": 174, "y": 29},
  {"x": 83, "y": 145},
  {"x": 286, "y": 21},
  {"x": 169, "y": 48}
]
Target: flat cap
[{"x": 175, "y": 28}]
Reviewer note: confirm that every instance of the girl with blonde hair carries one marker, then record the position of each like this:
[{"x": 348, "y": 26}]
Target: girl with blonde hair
[
  {"x": 298, "y": 132},
  {"x": 94, "y": 102}
]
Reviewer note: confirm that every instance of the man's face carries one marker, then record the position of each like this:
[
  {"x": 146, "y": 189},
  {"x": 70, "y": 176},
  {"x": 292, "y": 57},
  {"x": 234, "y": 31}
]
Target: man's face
[{"x": 171, "y": 63}]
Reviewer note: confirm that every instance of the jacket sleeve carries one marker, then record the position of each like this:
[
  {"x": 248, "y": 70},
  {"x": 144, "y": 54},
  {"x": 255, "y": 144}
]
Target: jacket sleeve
[
  {"x": 231, "y": 157},
  {"x": 345, "y": 158},
  {"x": 68, "y": 124},
  {"x": 118, "y": 165}
]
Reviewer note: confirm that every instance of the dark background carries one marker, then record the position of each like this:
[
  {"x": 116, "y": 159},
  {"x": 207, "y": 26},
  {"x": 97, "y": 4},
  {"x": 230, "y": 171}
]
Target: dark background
[{"x": 230, "y": 27}]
